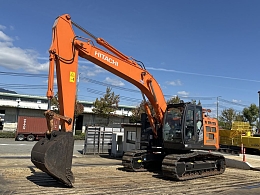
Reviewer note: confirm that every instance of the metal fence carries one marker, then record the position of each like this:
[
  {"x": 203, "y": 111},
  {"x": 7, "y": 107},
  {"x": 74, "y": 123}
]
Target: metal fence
[{"x": 98, "y": 140}]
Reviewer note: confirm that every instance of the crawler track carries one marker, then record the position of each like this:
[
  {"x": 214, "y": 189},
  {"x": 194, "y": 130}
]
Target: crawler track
[
  {"x": 192, "y": 165},
  {"x": 132, "y": 161}
]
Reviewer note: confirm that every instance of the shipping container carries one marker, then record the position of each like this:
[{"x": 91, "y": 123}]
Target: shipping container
[{"x": 32, "y": 128}]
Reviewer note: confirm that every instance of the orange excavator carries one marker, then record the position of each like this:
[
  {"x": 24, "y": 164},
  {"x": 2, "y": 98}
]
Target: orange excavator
[{"x": 176, "y": 139}]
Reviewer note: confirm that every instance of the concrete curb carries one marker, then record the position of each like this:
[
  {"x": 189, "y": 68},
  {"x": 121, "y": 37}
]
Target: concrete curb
[{"x": 238, "y": 164}]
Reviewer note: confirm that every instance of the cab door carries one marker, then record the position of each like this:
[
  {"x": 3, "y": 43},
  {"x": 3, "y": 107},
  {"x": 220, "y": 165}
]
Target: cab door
[{"x": 190, "y": 130}]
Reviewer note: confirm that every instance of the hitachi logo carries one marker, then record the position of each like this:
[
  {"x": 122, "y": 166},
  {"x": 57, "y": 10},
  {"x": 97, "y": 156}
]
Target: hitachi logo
[{"x": 104, "y": 57}]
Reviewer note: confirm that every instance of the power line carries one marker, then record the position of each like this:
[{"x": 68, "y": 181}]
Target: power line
[
  {"x": 22, "y": 86},
  {"x": 23, "y": 74},
  {"x": 225, "y": 107},
  {"x": 109, "y": 85},
  {"x": 29, "y": 86},
  {"x": 121, "y": 97},
  {"x": 231, "y": 102},
  {"x": 197, "y": 98}
]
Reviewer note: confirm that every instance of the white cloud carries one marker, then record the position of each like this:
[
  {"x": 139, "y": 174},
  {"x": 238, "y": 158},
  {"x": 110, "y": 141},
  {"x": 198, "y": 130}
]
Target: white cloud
[
  {"x": 4, "y": 37},
  {"x": 2, "y": 27},
  {"x": 90, "y": 71},
  {"x": 174, "y": 83},
  {"x": 174, "y": 96},
  {"x": 236, "y": 101},
  {"x": 14, "y": 58},
  {"x": 114, "y": 82},
  {"x": 184, "y": 93}
]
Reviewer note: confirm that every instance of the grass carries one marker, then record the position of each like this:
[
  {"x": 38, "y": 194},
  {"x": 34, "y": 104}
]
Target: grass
[{"x": 7, "y": 134}]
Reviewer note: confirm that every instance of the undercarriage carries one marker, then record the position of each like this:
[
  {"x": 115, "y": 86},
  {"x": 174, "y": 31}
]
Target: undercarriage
[
  {"x": 192, "y": 165},
  {"x": 175, "y": 166},
  {"x": 141, "y": 160}
]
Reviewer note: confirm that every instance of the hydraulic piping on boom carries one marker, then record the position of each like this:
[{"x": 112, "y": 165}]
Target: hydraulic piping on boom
[{"x": 168, "y": 143}]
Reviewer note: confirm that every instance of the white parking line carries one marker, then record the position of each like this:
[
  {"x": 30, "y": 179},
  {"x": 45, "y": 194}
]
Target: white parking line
[
  {"x": 13, "y": 144},
  {"x": 24, "y": 145}
]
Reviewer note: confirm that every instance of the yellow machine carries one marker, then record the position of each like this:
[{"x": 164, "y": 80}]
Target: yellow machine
[{"x": 240, "y": 133}]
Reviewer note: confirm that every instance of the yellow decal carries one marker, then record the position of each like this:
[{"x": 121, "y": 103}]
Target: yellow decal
[{"x": 72, "y": 77}]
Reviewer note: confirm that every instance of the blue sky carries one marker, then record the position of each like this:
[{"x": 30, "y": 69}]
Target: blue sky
[{"x": 199, "y": 50}]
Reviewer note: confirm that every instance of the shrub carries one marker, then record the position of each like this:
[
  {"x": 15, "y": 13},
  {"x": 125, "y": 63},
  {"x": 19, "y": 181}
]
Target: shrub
[
  {"x": 7, "y": 134},
  {"x": 79, "y": 136}
]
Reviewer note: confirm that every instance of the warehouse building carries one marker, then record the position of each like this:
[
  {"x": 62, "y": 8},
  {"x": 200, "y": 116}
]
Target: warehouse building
[{"x": 13, "y": 105}]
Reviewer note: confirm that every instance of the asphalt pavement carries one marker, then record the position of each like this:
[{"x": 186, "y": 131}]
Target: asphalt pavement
[{"x": 11, "y": 147}]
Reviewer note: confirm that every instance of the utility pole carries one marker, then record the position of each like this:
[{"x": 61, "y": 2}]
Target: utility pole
[
  {"x": 258, "y": 110},
  {"x": 217, "y": 106}
]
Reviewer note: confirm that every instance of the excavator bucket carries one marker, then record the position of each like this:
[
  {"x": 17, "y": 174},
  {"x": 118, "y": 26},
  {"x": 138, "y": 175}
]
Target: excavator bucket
[{"x": 53, "y": 155}]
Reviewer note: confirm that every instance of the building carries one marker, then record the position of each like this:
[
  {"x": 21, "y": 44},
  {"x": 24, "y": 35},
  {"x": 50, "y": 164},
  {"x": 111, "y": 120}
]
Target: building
[{"x": 13, "y": 105}]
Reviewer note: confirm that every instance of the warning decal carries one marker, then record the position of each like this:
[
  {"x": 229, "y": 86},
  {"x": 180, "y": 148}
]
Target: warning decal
[{"x": 72, "y": 77}]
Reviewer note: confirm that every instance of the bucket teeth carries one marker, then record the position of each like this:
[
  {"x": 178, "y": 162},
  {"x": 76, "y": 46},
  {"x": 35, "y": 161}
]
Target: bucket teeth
[{"x": 53, "y": 156}]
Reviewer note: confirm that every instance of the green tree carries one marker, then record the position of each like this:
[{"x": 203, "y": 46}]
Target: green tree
[
  {"x": 227, "y": 117},
  {"x": 240, "y": 117},
  {"x": 193, "y": 101},
  {"x": 251, "y": 113},
  {"x": 174, "y": 100},
  {"x": 79, "y": 108},
  {"x": 136, "y": 112},
  {"x": 107, "y": 104}
]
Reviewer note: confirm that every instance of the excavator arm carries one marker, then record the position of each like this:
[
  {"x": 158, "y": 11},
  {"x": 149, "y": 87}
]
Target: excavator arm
[{"x": 65, "y": 49}]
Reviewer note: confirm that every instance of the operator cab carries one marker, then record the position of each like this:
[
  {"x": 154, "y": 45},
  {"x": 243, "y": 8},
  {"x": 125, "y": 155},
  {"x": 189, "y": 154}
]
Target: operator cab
[{"x": 183, "y": 127}]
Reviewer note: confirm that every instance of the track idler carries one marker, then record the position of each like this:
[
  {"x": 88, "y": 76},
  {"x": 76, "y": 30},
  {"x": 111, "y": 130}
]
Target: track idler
[{"x": 53, "y": 155}]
